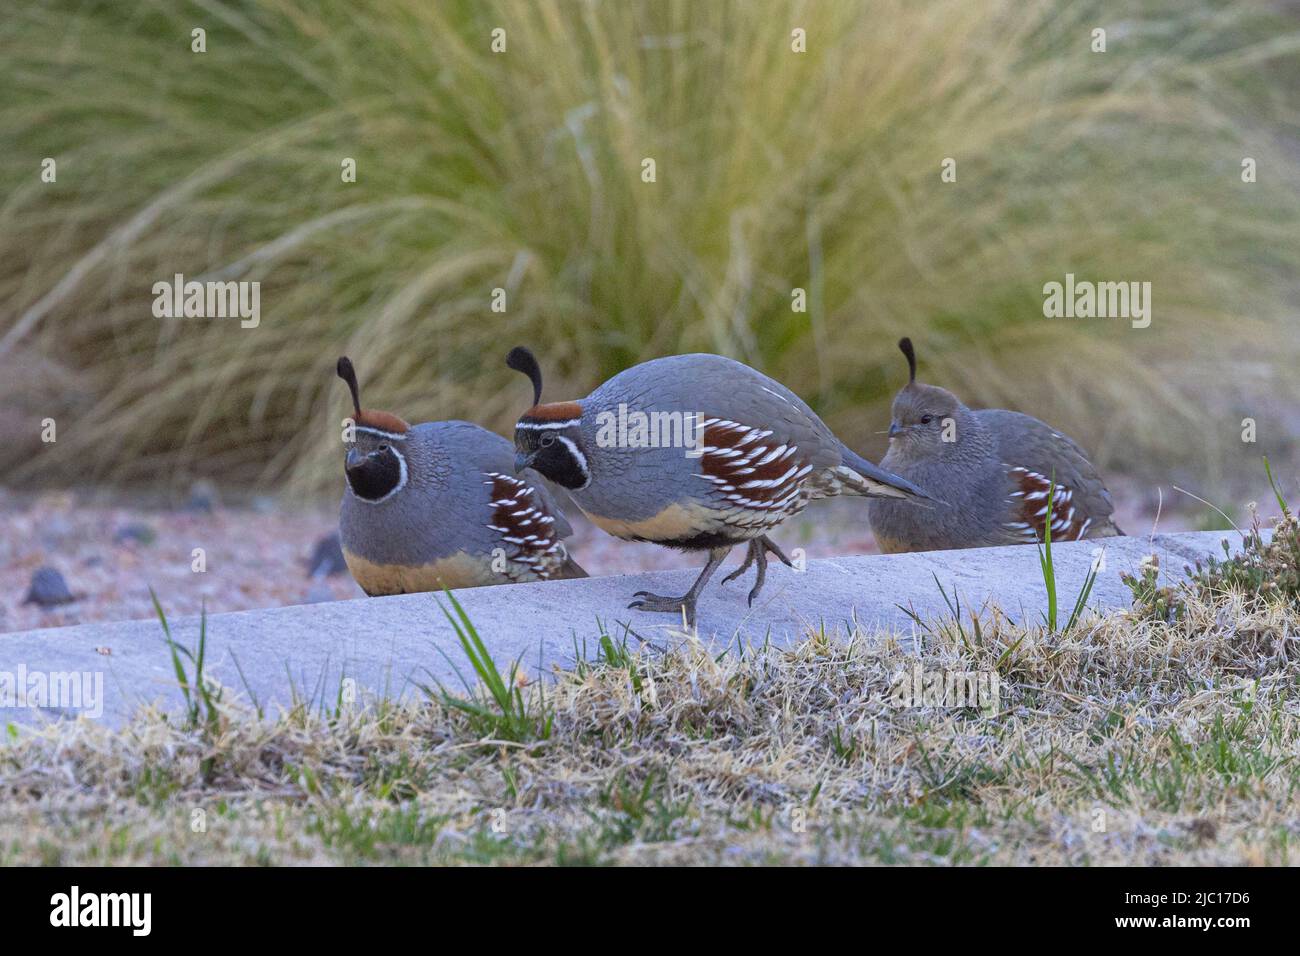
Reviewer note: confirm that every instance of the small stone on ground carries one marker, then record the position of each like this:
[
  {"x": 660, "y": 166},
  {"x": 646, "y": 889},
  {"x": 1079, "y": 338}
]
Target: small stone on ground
[{"x": 48, "y": 589}]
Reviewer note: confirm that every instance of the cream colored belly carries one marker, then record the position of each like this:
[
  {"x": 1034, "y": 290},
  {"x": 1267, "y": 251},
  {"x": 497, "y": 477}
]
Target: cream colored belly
[
  {"x": 457, "y": 571},
  {"x": 892, "y": 546},
  {"x": 679, "y": 523}
]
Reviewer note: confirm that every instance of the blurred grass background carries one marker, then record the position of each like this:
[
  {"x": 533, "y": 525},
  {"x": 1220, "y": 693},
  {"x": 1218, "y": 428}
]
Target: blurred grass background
[{"x": 522, "y": 170}]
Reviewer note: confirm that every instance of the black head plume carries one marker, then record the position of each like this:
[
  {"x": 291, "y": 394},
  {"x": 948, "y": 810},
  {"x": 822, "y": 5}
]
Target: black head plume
[
  {"x": 349, "y": 375},
  {"x": 905, "y": 345},
  {"x": 522, "y": 360}
]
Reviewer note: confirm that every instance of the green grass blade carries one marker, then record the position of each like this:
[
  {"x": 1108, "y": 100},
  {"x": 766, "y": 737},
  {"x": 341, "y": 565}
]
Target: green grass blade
[
  {"x": 181, "y": 678},
  {"x": 1277, "y": 492}
]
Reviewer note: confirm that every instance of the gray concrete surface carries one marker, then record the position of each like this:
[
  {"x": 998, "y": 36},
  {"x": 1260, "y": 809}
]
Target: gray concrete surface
[{"x": 392, "y": 645}]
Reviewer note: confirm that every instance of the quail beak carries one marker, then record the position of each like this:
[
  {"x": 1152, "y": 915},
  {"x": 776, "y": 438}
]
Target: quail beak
[
  {"x": 895, "y": 429},
  {"x": 353, "y": 460},
  {"x": 523, "y": 461}
]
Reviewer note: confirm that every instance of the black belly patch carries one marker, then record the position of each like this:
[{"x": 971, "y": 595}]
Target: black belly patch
[{"x": 700, "y": 542}]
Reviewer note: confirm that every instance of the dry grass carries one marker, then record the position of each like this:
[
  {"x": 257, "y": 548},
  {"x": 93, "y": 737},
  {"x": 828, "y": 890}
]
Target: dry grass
[
  {"x": 522, "y": 170},
  {"x": 1128, "y": 741}
]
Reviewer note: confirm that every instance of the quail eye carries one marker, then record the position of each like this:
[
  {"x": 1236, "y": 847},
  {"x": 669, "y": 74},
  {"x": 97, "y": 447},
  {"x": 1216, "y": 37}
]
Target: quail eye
[
  {"x": 383, "y": 448},
  {"x": 926, "y": 419},
  {"x": 548, "y": 440}
]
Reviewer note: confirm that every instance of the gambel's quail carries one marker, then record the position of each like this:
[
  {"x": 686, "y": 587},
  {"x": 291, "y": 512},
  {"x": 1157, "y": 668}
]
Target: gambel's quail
[
  {"x": 991, "y": 471},
  {"x": 752, "y": 454},
  {"x": 438, "y": 505}
]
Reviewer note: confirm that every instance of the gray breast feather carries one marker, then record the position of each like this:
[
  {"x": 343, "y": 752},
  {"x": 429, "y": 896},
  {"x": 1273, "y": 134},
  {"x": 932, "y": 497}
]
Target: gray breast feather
[{"x": 1026, "y": 442}]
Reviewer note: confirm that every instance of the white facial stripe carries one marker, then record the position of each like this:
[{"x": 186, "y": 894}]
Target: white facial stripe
[
  {"x": 579, "y": 457},
  {"x": 401, "y": 481},
  {"x": 395, "y": 436},
  {"x": 548, "y": 426}
]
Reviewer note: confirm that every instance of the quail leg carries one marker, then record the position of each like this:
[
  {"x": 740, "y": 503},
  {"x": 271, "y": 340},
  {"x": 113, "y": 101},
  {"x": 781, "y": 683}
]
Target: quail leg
[
  {"x": 655, "y": 602},
  {"x": 758, "y": 548}
]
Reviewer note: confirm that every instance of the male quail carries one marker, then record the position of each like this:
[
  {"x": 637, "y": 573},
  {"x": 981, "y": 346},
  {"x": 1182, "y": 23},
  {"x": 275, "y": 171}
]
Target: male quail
[
  {"x": 992, "y": 471},
  {"x": 437, "y": 505},
  {"x": 761, "y": 455}
]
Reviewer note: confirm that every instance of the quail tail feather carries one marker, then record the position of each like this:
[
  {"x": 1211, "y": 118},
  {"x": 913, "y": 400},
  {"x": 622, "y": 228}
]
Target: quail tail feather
[
  {"x": 1106, "y": 529},
  {"x": 878, "y": 483},
  {"x": 568, "y": 570}
]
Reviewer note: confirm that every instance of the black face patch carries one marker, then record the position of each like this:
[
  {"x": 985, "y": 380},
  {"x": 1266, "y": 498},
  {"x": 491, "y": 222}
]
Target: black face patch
[
  {"x": 555, "y": 453},
  {"x": 376, "y": 475}
]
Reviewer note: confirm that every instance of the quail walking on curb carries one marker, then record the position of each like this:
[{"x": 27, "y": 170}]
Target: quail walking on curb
[
  {"x": 438, "y": 505},
  {"x": 757, "y": 456},
  {"x": 991, "y": 471}
]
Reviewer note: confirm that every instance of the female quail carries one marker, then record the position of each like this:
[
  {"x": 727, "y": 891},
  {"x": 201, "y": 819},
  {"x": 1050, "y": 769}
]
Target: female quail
[
  {"x": 437, "y": 505},
  {"x": 759, "y": 456},
  {"x": 992, "y": 470}
]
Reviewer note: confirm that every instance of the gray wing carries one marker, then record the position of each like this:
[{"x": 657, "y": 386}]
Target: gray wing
[
  {"x": 714, "y": 386},
  {"x": 761, "y": 442},
  {"x": 1026, "y": 443},
  {"x": 488, "y": 453},
  {"x": 504, "y": 509},
  {"x": 727, "y": 393},
  {"x": 549, "y": 495}
]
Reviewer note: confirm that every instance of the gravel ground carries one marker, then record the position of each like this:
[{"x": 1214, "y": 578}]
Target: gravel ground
[{"x": 257, "y": 554}]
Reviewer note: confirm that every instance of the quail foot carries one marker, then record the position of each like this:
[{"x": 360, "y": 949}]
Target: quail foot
[
  {"x": 991, "y": 471},
  {"x": 439, "y": 505},
  {"x": 751, "y": 454}
]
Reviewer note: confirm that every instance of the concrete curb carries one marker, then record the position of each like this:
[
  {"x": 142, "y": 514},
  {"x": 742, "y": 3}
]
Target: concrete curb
[{"x": 393, "y": 645}]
